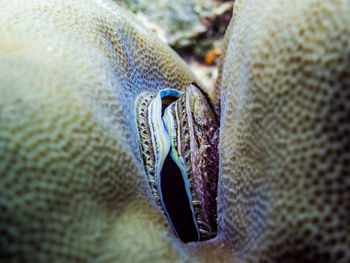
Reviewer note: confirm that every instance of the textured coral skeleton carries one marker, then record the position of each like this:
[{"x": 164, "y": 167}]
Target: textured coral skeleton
[{"x": 72, "y": 186}]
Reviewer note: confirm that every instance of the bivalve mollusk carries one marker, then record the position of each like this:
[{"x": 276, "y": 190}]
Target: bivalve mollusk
[{"x": 178, "y": 140}]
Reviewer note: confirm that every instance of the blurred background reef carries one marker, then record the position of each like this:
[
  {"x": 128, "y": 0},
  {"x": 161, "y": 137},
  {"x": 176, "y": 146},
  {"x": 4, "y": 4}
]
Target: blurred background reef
[{"x": 193, "y": 28}]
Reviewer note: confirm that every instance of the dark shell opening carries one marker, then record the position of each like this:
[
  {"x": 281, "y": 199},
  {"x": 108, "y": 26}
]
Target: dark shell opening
[
  {"x": 176, "y": 202},
  {"x": 174, "y": 195}
]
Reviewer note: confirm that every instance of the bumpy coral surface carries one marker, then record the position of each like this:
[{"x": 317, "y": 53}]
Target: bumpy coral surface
[
  {"x": 72, "y": 187},
  {"x": 285, "y": 144},
  {"x": 71, "y": 181}
]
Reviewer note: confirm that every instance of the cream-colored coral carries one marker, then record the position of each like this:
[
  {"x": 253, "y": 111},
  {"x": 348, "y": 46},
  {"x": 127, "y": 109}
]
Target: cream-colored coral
[
  {"x": 284, "y": 191},
  {"x": 72, "y": 188}
]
